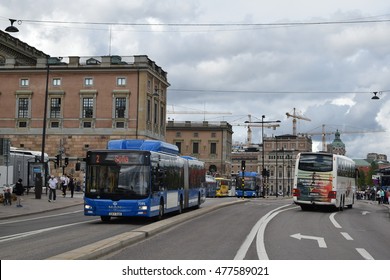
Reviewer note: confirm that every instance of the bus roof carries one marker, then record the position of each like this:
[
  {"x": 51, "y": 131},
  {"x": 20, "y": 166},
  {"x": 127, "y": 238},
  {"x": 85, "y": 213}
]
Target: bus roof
[
  {"x": 143, "y": 145},
  {"x": 249, "y": 173}
]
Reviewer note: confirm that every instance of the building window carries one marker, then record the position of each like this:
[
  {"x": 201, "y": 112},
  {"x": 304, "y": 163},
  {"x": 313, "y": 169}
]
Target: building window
[
  {"x": 22, "y": 124},
  {"x": 88, "y": 82},
  {"x": 178, "y": 134},
  {"x": 120, "y": 124},
  {"x": 56, "y": 82},
  {"x": 155, "y": 113},
  {"x": 120, "y": 107},
  {"x": 149, "y": 111},
  {"x": 55, "y": 108},
  {"x": 88, "y": 108},
  {"x": 149, "y": 85},
  {"x": 120, "y": 81},
  {"x": 23, "y": 108},
  {"x": 196, "y": 134},
  {"x": 213, "y": 148},
  {"x": 195, "y": 147},
  {"x": 162, "y": 122},
  {"x": 213, "y": 135},
  {"x": 87, "y": 124},
  {"x": 55, "y": 124},
  {"x": 24, "y": 82}
]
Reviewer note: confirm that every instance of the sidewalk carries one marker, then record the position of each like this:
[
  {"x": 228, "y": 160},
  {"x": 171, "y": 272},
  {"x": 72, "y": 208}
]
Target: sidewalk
[{"x": 31, "y": 205}]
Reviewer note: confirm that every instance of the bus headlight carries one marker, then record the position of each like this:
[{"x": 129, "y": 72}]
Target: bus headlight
[
  {"x": 143, "y": 207},
  {"x": 87, "y": 207}
]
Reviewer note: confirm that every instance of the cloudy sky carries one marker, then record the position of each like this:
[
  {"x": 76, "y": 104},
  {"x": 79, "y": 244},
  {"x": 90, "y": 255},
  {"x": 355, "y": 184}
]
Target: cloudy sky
[{"x": 247, "y": 57}]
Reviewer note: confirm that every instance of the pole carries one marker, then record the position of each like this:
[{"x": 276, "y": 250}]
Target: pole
[
  {"x": 263, "y": 156},
  {"x": 265, "y": 173},
  {"x": 41, "y": 182}
]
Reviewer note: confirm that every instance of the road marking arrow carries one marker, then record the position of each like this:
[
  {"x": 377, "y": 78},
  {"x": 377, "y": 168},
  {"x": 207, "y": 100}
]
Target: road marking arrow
[
  {"x": 365, "y": 213},
  {"x": 320, "y": 240}
]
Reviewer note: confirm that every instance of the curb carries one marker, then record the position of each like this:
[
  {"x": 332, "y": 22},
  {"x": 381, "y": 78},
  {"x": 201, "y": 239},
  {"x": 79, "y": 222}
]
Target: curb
[{"x": 115, "y": 243}]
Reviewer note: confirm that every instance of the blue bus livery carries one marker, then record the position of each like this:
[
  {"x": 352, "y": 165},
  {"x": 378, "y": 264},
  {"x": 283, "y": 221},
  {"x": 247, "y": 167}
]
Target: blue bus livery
[
  {"x": 248, "y": 184},
  {"x": 144, "y": 178}
]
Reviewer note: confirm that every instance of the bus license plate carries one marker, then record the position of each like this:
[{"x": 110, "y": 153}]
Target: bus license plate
[
  {"x": 115, "y": 214},
  {"x": 314, "y": 194}
]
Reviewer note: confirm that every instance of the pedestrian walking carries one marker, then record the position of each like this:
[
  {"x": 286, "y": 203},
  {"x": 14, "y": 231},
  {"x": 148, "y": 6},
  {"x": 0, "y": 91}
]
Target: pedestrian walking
[
  {"x": 378, "y": 196},
  {"x": 52, "y": 188},
  {"x": 71, "y": 186},
  {"x": 383, "y": 196},
  {"x": 64, "y": 184},
  {"x": 388, "y": 196},
  {"x": 19, "y": 190}
]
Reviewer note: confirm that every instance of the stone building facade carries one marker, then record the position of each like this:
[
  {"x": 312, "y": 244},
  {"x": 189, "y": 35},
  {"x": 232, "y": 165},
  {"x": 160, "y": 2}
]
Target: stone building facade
[
  {"x": 90, "y": 100},
  {"x": 208, "y": 141},
  {"x": 280, "y": 153}
]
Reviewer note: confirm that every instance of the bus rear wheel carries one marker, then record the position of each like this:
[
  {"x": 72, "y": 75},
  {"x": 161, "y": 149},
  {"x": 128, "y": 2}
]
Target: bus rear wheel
[{"x": 181, "y": 205}]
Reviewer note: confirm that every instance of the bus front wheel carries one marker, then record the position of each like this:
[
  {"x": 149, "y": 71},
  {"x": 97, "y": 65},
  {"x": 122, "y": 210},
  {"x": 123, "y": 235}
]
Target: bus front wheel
[
  {"x": 105, "y": 218},
  {"x": 161, "y": 211}
]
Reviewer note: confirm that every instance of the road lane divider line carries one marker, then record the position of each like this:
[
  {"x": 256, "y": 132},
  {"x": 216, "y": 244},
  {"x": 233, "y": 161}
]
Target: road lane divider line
[
  {"x": 364, "y": 254},
  {"x": 241, "y": 253},
  {"x": 38, "y": 231},
  {"x": 346, "y": 235},
  {"x": 333, "y": 220},
  {"x": 38, "y": 218}
]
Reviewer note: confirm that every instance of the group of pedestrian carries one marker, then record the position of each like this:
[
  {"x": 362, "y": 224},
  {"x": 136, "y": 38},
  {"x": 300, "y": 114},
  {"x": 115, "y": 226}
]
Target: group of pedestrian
[
  {"x": 383, "y": 196},
  {"x": 65, "y": 182}
]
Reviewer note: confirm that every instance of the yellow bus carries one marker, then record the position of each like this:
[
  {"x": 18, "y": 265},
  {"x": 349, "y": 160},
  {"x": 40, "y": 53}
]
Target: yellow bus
[{"x": 224, "y": 187}]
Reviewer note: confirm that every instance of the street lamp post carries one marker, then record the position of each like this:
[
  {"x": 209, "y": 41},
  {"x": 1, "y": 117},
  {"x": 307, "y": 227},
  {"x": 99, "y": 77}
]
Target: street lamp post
[{"x": 264, "y": 172}]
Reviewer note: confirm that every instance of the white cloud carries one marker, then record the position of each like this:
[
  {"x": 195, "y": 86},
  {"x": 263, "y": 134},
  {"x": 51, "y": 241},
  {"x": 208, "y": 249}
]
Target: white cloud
[{"x": 325, "y": 71}]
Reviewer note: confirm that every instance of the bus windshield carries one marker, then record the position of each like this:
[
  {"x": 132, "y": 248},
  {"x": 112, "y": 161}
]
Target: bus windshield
[
  {"x": 118, "y": 180},
  {"x": 249, "y": 183},
  {"x": 316, "y": 162}
]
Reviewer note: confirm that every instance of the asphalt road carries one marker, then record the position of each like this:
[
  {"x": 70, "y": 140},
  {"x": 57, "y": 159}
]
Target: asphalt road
[
  {"x": 252, "y": 230},
  {"x": 274, "y": 230}
]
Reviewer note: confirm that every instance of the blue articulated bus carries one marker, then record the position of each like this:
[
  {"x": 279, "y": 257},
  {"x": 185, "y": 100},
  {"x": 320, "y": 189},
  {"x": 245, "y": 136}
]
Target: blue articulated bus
[
  {"x": 144, "y": 178},
  {"x": 248, "y": 184}
]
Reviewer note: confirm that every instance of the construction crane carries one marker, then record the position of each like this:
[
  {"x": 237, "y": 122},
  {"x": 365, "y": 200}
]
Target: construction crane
[
  {"x": 295, "y": 116},
  {"x": 249, "y": 132},
  {"x": 324, "y": 134}
]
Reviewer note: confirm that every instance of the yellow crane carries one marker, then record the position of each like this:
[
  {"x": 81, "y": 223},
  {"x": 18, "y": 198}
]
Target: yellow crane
[{"x": 296, "y": 116}]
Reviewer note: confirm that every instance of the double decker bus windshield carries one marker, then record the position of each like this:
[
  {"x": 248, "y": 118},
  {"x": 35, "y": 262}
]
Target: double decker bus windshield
[
  {"x": 316, "y": 162},
  {"x": 123, "y": 180}
]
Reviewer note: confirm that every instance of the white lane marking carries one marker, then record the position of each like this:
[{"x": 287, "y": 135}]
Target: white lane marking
[
  {"x": 365, "y": 213},
  {"x": 29, "y": 233},
  {"x": 240, "y": 255},
  {"x": 41, "y": 217},
  {"x": 332, "y": 219},
  {"x": 364, "y": 254},
  {"x": 346, "y": 235},
  {"x": 260, "y": 244},
  {"x": 320, "y": 240}
]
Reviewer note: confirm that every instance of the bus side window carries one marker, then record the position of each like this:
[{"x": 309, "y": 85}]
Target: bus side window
[{"x": 158, "y": 177}]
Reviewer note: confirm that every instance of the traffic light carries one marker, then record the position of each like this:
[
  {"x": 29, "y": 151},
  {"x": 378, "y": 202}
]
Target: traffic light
[
  {"x": 66, "y": 161},
  {"x": 243, "y": 165},
  {"x": 58, "y": 160}
]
